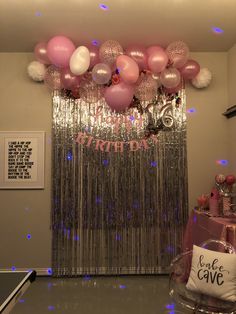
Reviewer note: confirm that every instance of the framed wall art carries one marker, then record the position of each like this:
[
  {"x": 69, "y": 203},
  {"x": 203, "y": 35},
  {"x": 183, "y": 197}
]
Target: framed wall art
[{"x": 22, "y": 159}]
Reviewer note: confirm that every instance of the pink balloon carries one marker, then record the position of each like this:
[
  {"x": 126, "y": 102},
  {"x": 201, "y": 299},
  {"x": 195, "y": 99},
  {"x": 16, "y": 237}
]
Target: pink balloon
[
  {"x": 230, "y": 179},
  {"x": 170, "y": 78},
  {"x": 119, "y": 97},
  {"x": 138, "y": 54},
  {"x": 69, "y": 80},
  {"x": 52, "y": 78},
  {"x": 128, "y": 69},
  {"x": 157, "y": 60},
  {"x": 40, "y": 52},
  {"x": 190, "y": 69},
  {"x": 94, "y": 56},
  {"x": 59, "y": 50},
  {"x": 152, "y": 49}
]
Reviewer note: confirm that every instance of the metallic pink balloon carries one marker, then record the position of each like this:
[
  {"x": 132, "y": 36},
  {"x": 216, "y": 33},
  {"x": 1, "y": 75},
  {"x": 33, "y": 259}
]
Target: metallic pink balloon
[
  {"x": 52, "y": 78},
  {"x": 119, "y": 97},
  {"x": 59, "y": 51},
  {"x": 139, "y": 54},
  {"x": 178, "y": 53},
  {"x": 170, "y": 78},
  {"x": 157, "y": 60},
  {"x": 101, "y": 73},
  {"x": 152, "y": 49},
  {"x": 146, "y": 87},
  {"x": 94, "y": 56},
  {"x": 40, "y": 52},
  {"x": 190, "y": 70},
  {"x": 109, "y": 51},
  {"x": 69, "y": 80},
  {"x": 128, "y": 69}
]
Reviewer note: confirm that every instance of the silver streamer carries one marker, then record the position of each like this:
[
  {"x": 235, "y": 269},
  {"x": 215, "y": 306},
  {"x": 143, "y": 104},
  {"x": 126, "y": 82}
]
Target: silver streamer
[{"x": 117, "y": 212}]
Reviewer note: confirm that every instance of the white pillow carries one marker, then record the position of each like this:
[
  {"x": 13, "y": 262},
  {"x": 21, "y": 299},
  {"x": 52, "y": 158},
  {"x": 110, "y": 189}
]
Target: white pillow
[{"x": 213, "y": 273}]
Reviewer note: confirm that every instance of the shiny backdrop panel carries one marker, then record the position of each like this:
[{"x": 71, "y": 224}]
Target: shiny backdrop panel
[{"x": 117, "y": 208}]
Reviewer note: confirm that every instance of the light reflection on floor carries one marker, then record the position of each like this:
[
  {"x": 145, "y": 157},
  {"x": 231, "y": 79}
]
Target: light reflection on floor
[{"x": 98, "y": 295}]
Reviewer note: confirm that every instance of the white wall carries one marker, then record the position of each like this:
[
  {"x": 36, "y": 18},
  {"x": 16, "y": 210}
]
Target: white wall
[
  {"x": 26, "y": 105},
  {"x": 207, "y": 130},
  {"x": 231, "y": 102}
]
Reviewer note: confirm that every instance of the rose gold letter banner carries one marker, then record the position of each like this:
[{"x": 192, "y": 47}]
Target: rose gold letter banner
[{"x": 119, "y": 197}]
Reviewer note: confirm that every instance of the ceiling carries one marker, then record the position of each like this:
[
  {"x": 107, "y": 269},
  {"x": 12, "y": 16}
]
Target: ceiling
[{"x": 23, "y": 23}]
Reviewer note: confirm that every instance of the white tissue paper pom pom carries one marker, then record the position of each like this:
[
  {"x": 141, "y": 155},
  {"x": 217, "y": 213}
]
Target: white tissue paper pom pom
[
  {"x": 203, "y": 79},
  {"x": 36, "y": 71}
]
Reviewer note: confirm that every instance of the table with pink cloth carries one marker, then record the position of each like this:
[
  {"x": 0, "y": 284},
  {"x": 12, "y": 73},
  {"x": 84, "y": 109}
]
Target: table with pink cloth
[{"x": 201, "y": 227}]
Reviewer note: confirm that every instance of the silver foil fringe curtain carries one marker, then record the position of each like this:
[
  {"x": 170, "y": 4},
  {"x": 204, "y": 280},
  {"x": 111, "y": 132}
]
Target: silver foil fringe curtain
[{"x": 117, "y": 208}]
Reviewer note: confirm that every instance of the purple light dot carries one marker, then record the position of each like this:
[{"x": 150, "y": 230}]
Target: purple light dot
[
  {"x": 103, "y": 7},
  {"x": 217, "y": 30},
  {"x": 49, "y": 271},
  {"x": 191, "y": 110},
  {"x": 87, "y": 278},
  {"x": 170, "y": 306},
  {"x": 170, "y": 249},
  {"x": 98, "y": 200},
  {"x": 51, "y": 307},
  {"x": 129, "y": 215},
  {"x": 21, "y": 301},
  {"x": 38, "y": 14},
  {"x": 122, "y": 286},
  {"x": 76, "y": 238},
  {"x": 95, "y": 42},
  {"x": 222, "y": 162},
  {"x": 194, "y": 219},
  {"x": 69, "y": 156},
  {"x": 153, "y": 163},
  {"x": 118, "y": 237},
  {"x": 136, "y": 204},
  {"x": 29, "y": 236},
  {"x": 132, "y": 118},
  {"x": 13, "y": 268},
  {"x": 105, "y": 162}
]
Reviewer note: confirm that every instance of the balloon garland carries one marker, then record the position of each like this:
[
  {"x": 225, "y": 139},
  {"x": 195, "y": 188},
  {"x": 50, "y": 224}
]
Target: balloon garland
[{"x": 124, "y": 78}]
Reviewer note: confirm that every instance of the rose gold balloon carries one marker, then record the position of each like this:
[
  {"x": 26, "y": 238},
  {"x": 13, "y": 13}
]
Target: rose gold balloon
[
  {"x": 69, "y": 80},
  {"x": 109, "y": 51},
  {"x": 52, "y": 78},
  {"x": 40, "y": 52},
  {"x": 146, "y": 88},
  {"x": 190, "y": 70},
  {"x": 89, "y": 91},
  {"x": 230, "y": 179},
  {"x": 94, "y": 56},
  {"x": 138, "y": 54},
  {"x": 178, "y": 53}
]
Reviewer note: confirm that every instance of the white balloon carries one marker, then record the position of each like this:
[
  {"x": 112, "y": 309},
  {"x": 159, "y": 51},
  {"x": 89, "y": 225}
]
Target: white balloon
[{"x": 80, "y": 60}]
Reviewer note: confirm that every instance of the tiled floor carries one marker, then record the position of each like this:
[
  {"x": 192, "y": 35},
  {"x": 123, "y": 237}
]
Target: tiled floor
[{"x": 98, "y": 295}]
